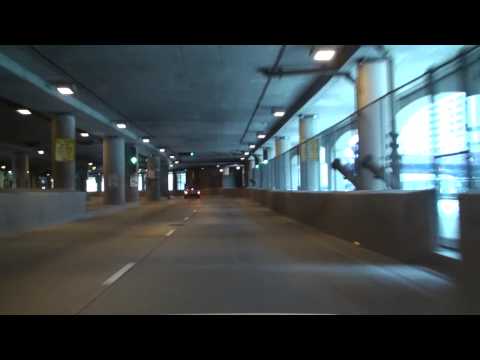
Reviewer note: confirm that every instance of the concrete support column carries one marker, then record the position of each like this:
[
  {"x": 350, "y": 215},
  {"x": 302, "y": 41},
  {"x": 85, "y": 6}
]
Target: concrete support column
[
  {"x": 280, "y": 173},
  {"x": 154, "y": 187},
  {"x": 164, "y": 177},
  {"x": 63, "y": 151},
  {"x": 175, "y": 187},
  {"x": 131, "y": 173},
  {"x": 98, "y": 179},
  {"x": 22, "y": 170},
  {"x": 114, "y": 170},
  {"x": 374, "y": 122},
  {"x": 309, "y": 155},
  {"x": 251, "y": 172},
  {"x": 82, "y": 176}
]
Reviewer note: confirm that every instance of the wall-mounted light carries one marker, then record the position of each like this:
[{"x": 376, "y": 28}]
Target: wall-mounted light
[
  {"x": 24, "y": 111},
  {"x": 323, "y": 54},
  {"x": 121, "y": 125},
  {"x": 84, "y": 134},
  {"x": 40, "y": 152}
]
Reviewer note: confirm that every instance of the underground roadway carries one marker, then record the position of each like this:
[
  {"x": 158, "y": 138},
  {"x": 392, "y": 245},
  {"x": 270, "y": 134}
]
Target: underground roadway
[{"x": 215, "y": 255}]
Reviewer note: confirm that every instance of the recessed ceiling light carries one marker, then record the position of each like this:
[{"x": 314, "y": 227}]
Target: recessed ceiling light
[
  {"x": 24, "y": 111},
  {"x": 84, "y": 134},
  {"x": 146, "y": 140},
  {"x": 40, "y": 152},
  {"x": 242, "y": 158},
  {"x": 246, "y": 153},
  {"x": 64, "y": 90},
  {"x": 121, "y": 125},
  {"x": 172, "y": 156},
  {"x": 90, "y": 164},
  {"x": 278, "y": 113},
  {"x": 162, "y": 150},
  {"x": 261, "y": 136},
  {"x": 324, "y": 55},
  {"x": 251, "y": 146}
]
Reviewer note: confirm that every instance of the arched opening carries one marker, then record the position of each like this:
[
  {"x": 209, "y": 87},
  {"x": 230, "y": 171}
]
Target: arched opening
[
  {"x": 433, "y": 143},
  {"x": 295, "y": 172}
]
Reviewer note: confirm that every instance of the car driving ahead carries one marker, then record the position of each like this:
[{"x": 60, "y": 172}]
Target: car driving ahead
[{"x": 191, "y": 191}]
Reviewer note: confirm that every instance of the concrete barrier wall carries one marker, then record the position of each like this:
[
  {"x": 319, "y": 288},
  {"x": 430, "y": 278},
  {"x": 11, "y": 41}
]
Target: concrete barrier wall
[
  {"x": 400, "y": 224},
  {"x": 470, "y": 237},
  {"x": 27, "y": 210}
]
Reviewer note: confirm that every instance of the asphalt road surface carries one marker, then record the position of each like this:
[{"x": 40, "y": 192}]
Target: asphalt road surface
[{"x": 214, "y": 255}]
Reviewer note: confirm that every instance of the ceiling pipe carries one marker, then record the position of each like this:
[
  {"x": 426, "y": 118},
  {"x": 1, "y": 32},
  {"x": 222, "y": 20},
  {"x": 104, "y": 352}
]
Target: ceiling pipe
[
  {"x": 319, "y": 83},
  {"x": 262, "y": 94},
  {"x": 321, "y": 72}
]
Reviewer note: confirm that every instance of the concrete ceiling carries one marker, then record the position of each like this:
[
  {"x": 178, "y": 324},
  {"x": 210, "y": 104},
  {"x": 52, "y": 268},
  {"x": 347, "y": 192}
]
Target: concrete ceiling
[{"x": 185, "y": 97}]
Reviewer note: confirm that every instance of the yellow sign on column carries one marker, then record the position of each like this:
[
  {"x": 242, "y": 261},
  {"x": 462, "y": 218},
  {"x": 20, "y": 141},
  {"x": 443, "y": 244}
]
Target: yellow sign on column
[{"x": 64, "y": 149}]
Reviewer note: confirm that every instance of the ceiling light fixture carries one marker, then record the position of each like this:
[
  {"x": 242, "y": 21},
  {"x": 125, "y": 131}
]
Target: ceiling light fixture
[
  {"x": 90, "y": 164},
  {"x": 192, "y": 153},
  {"x": 121, "y": 125},
  {"x": 324, "y": 55},
  {"x": 261, "y": 136},
  {"x": 24, "y": 111},
  {"x": 84, "y": 134},
  {"x": 172, "y": 157},
  {"x": 278, "y": 113},
  {"x": 242, "y": 158},
  {"x": 3, "y": 167},
  {"x": 251, "y": 146},
  {"x": 146, "y": 140},
  {"x": 246, "y": 153},
  {"x": 162, "y": 150},
  {"x": 65, "y": 90},
  {"x": 40, "y": 152}
]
